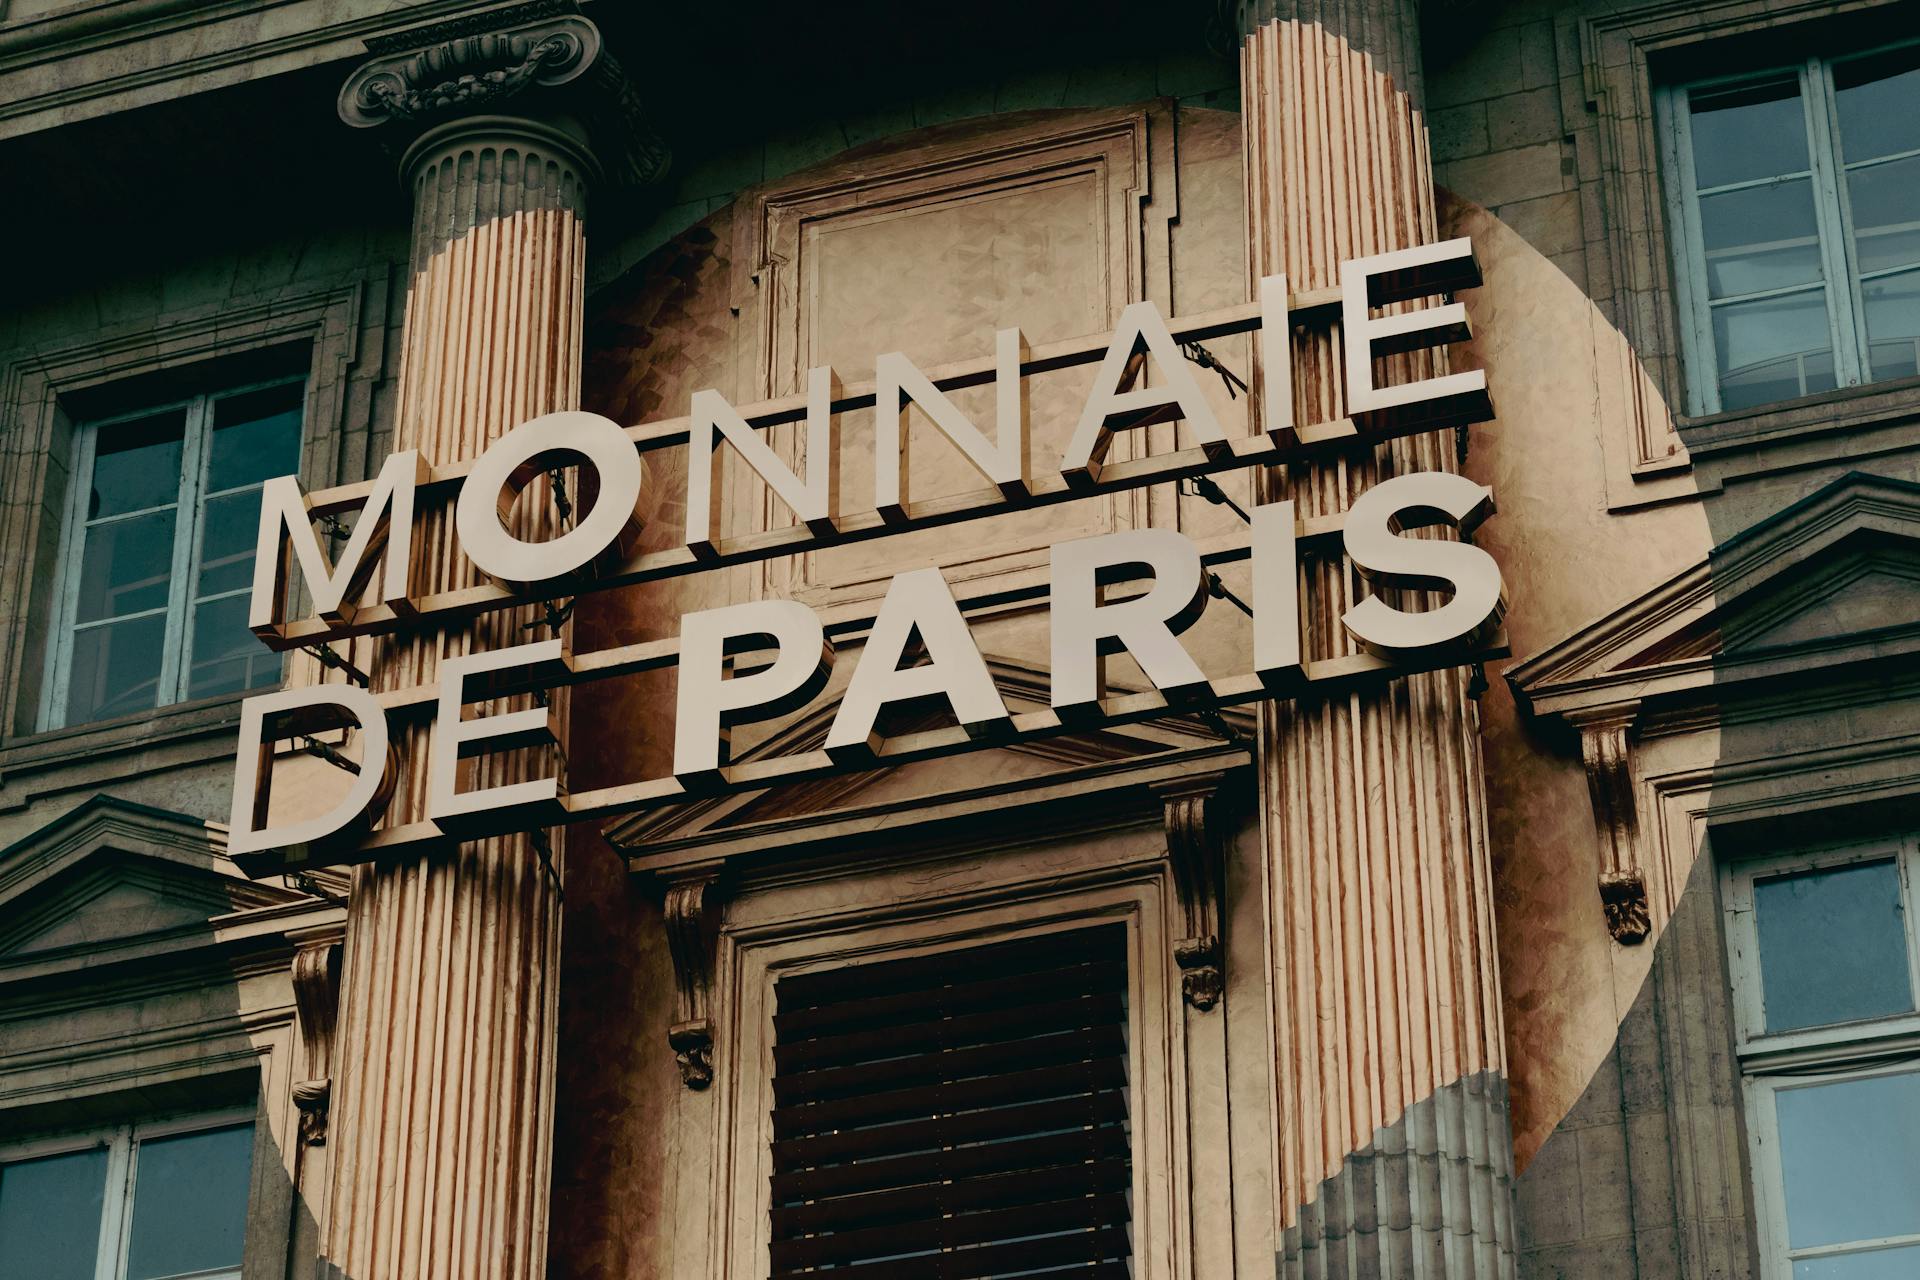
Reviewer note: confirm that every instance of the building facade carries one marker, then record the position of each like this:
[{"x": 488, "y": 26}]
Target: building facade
[{"x": 1588, "y": 956}]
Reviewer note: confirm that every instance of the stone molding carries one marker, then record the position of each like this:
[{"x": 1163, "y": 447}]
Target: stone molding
[{"x": 1674, "y": 659}]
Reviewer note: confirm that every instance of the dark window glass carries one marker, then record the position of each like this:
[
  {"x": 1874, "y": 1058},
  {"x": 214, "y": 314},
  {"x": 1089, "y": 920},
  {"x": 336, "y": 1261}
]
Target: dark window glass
[
  {"x": 1747, "y": 131},
  {"x": 1850, "y": 1152},
  {"x": 1833, "y": 945},
  {"x": 50, "y": 1215},
  {"x": 190, "y": 1203}
]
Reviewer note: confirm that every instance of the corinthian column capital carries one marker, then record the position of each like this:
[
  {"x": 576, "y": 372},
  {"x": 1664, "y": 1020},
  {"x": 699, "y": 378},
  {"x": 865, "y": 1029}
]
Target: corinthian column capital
[{"x": 536, "y": 64}]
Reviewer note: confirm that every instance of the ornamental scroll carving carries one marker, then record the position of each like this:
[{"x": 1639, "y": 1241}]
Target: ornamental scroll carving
[
  {"x": 692, "y": 926},
  {"x": 469, "y": 71},
  {"x": 1193, "y": 847},
  {"x": 316, "y": 999},
  {"x": 1606, "y": 750},
  {"x": 484, "y": 62}
]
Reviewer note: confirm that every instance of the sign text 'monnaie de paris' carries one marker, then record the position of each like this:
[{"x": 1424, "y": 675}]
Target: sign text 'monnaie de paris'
[{"x": 1132, "y": 591}]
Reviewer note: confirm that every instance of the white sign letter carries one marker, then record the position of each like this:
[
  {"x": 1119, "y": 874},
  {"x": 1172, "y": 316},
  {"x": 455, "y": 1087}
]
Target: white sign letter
[
  {"x": 919, "y": 603},
  {"x": 1402, "y": 276},
  {"x": 709, "y": 701},
  {"x": 1145, "y": 627},
  {"x": 1003, "y": 462},
  {"x": 1110, "y": 409},
  {"x": 608, "y": 531},
  {"x": 813, "y": 501},
  {"x": 384, "y": 529},
  {"x": 1276, "y": 360},
  {"x": 509, "y": 806},
  {"x": 318, "y": 708},
  {"x": 1372, "y": 530},
  {"x": 1276, "y": 595}
]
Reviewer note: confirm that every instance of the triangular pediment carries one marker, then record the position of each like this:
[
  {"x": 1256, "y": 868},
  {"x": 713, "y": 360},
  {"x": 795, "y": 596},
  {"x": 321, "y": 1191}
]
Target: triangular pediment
[
  {"x": 1023, "y": 687},
  {"x": 1835, "y": 577},
  {"x": 112, "y": 872}
]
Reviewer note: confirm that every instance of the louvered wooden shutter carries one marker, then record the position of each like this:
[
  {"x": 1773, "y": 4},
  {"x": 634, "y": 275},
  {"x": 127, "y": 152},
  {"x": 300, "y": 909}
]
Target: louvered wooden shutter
[{"x": 956, "y": 1115}]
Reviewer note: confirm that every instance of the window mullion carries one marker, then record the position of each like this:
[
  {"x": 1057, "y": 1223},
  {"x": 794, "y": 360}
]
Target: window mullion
[
  {"x": 73, "y": 534},
  {"x": 1836, "y": 226},
  {"x": 117, "y": 1211},
  {"x": 1701, "y": 372},
  {"x": 174, "y": 662}
]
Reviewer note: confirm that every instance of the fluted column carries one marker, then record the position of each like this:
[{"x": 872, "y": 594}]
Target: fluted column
[
  {"x": 440, "y": 1134},
  {"x": 1394, "y": 1149}
]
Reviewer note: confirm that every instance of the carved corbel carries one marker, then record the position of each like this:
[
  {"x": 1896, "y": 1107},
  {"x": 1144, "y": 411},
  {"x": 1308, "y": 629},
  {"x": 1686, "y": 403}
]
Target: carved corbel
[
  {"x": 1193, "y": 847},
  {"x": 1606, "y": 749},
  {"x": 316, "y": 999},
  {"x": 692, "y": 926}
]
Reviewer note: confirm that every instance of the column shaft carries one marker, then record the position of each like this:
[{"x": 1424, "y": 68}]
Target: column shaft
[
  {"x": 1394, "y": 1151},
  {"x": 442, "y": 1126}
]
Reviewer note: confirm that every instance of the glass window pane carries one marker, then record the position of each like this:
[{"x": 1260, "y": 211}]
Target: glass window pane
[
  {"x": 1833, "y": 945},
  {"x": 190, "y": 1203},
  {"x": 229, "y": 528},
  {"x": 1773, "y": 349},
  {"x": 1760, "y": 238},
  {"x": 256, "y": 436},
  {"x": 1751, "y": 130},
  {"x": 1878, "y": 101},
  {"x": 136, "y": 464},
  {"x": 126, "y": 566},
  {"x": 1879, "y": 1264},
  {"x": 1850, "y": 1157},
  {"x": 115, "y": 670},
  {"x": 1885, "y": 203},
  {"x": 50, "y": 1215},
  {"x": 226, "y": 656},
  {"x": 1893, "y": 324}
]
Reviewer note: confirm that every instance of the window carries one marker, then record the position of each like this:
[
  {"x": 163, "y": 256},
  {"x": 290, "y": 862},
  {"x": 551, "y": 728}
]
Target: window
[
  {"x": 960, "y": 1114},
  {"x": 1796, "y": 197},
  {"x": 140, "y": 1202},
  {"x": 1823, "y": 951},
  {"x": 158, "y": 562}
]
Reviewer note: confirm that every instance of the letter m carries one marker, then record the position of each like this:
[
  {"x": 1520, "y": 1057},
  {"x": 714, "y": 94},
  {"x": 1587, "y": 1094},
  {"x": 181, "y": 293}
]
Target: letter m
[{"x": 384, "y": 533}]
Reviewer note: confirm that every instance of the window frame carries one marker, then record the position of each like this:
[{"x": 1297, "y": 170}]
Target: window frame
[
  {"x": 1157, "y": 1104},
  {"x": 190, "y": 496},
  {"x": 121, "y": 1142},
  {"x": 1770, "y": 1063},
  {"x": 1833, "y": 222}
]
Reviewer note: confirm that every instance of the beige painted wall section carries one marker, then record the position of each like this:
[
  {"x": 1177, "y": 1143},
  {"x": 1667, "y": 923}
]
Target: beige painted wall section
[
  {"x": 633, "y": 1145},
  {"x": 1555, "y": 367}
]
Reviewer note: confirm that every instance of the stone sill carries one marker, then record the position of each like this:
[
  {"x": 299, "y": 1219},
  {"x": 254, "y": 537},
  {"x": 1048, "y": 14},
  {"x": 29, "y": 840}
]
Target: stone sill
[
  {"x": 184, "y": 720},
  {"x": 1830, "y": 412}
]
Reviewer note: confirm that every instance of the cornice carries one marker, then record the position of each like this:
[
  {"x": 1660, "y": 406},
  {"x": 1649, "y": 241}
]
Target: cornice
[{"x": 1667, "y": 640}]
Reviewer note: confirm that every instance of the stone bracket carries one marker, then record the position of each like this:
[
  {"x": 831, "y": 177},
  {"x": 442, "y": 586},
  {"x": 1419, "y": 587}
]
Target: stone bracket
[
  {"x": 1607, "y": 751},
  {"x": 692, "y": 916},
  {"x": 316, "y": 997},
  {"x": 1192, "y": 817}
]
